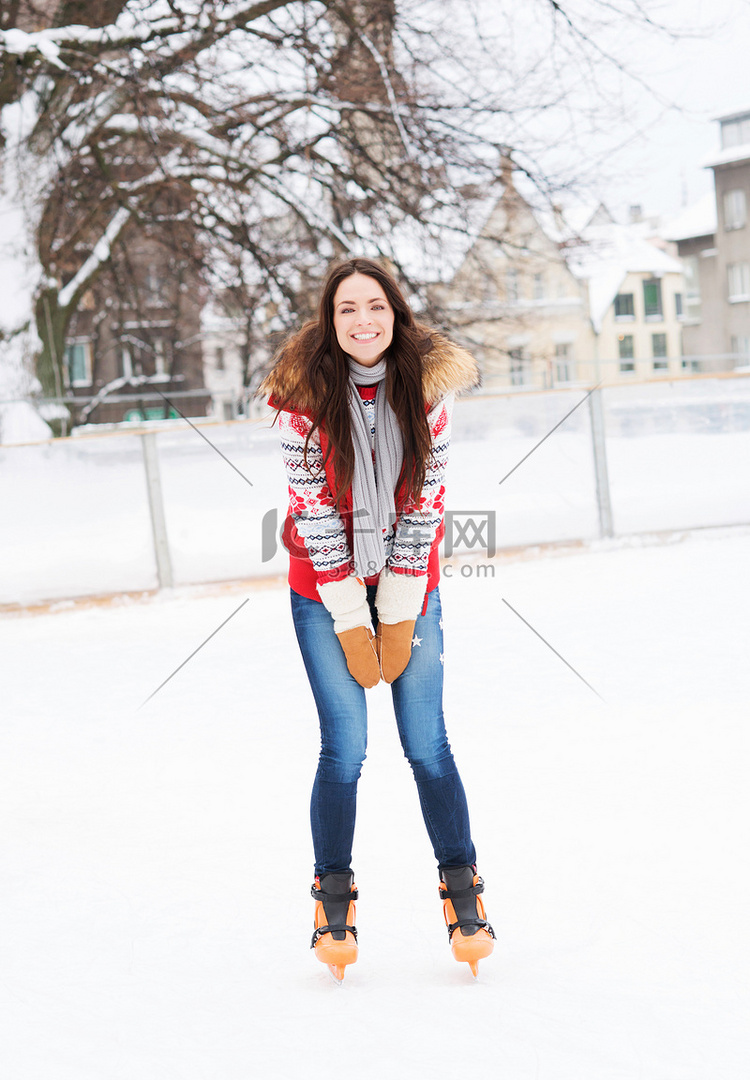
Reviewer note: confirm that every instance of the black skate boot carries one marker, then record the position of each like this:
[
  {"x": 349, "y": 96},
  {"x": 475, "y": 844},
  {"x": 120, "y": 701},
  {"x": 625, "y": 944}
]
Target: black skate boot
[
  {"x": 470, "y": 935},
  {"x": 335, "y": 937}
]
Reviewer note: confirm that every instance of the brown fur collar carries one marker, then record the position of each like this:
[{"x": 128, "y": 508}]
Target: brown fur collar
[{"x": 447, "y": 368}]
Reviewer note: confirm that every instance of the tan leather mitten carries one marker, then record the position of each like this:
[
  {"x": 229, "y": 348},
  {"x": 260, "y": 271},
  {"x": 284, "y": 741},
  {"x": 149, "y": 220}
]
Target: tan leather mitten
[
  {"x": 394, "y": 648},
  {"x": 352, "y": 623},
  {"x": 361, "y": 658},
  {"x": 398, "y": 602}
]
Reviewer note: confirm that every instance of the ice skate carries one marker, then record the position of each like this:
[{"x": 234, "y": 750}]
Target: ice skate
[
  {"x": 335, "y": 936},
  {"x": 471, "y": 936}
]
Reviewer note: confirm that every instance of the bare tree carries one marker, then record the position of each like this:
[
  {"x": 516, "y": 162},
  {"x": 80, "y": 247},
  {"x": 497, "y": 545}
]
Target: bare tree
[{"x": 286, "y": 131}]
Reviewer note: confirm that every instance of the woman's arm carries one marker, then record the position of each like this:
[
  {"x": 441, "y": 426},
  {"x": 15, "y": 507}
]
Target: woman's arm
[
  {"x": 311, "y": 504},
  {"x": 416, "y": 529}
]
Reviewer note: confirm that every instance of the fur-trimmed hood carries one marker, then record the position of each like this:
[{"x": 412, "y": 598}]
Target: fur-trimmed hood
[{"x": 446, "y": 369}]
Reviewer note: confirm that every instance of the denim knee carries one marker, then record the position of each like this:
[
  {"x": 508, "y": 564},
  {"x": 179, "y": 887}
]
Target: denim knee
[
  {"x": 433, "y": 768},
  {"x": 337, "y": 770}
]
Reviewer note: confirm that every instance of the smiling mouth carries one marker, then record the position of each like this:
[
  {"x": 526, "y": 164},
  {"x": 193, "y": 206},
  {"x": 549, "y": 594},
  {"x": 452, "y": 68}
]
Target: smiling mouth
[{"x": 365, "y": 337}]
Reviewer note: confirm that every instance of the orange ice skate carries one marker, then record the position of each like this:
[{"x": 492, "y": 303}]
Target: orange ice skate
[
  {"x": 471, "y": 936},
  {"x": 335, "y": 937}
]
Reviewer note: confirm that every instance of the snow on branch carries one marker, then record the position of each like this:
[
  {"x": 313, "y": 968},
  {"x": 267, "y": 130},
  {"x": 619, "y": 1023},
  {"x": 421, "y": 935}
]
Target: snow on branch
[
  {"x": 100, "y": 254},
  {"x": 380, "y": 61},
  {"x": 298, "y": 204},
  {"x": 49, "y": 42}
]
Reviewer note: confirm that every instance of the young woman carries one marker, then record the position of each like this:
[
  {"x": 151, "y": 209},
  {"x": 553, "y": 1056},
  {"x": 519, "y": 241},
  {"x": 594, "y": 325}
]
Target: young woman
[{"x": 364, "y": 397}]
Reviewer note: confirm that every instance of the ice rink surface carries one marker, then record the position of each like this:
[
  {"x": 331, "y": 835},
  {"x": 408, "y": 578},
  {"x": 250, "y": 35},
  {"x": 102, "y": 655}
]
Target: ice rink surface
[{"x": 156, "y": 861}]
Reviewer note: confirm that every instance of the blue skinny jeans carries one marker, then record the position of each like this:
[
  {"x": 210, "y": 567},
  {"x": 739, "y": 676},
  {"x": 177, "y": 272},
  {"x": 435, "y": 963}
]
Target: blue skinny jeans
[{"x": 342, "y": 710}]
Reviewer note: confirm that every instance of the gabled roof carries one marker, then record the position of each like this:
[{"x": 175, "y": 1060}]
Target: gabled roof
[{"x": 609, "y": 253}]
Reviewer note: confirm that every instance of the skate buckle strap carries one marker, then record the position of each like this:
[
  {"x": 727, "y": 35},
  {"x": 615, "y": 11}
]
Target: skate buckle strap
[
  {"x": 481, "y": 924},
  {"x": 319, "y": 894},
  {"x": 456, "y": 894},
  {"x": 320, "y": 930}
]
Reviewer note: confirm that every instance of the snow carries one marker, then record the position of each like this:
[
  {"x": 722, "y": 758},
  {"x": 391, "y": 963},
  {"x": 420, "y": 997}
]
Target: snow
[
  {"x": 610, "y": 252},
  {"x": 696, "y": 220},
  {"x": 728, "y": 156},
  {"x": 157, "y": 862},
  {"x": 99, "y": 255},
  {"x": 20, "y": 274}
]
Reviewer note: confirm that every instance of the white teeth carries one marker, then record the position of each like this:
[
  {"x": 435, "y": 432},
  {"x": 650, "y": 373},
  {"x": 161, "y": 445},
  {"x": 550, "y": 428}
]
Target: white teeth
[{"x": 364, "y": 337}]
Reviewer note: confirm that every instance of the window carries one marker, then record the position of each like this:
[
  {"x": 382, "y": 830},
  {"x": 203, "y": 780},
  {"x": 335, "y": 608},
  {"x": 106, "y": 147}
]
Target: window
[
  {"x": 126, "y": 363},
  {"x": 741, "y": 346},
  {"x": 735, "y": 210},
  {"x": 563, "y": 362},
  {"x": 160, "y": 357},
  {"x": 155, "y": 412},
  {"x": 154, "y": 286},
  {"x": 625, "y": 343},
  {"x": 219, "y": 358},
  {"x": 624, "y": 308},
  {"x": 511, "y": 285},
  {"x": 652, "y": 299},
  {"x": 735, "y": 132},
  {"x": 738, "y": 275},
  {"x": 691, "y": 273},
  {"x": 540, "y": 287},
  {"x": 518, "y": 367},
  {"x": 78, "y": 363},
  {"x": 678, "y": 304},
  {"x": 659, "y": 351}
]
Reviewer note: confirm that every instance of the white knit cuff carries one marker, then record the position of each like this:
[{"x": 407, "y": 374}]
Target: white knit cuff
[
  {"x": 400, "y": 596},
  {"x": 347, "y": 602}
]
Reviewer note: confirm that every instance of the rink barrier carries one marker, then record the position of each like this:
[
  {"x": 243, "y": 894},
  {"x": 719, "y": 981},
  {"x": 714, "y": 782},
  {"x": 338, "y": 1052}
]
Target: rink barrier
[
  {"x": 601, "y": 472},
  {"x": 157, "y": 513},
  {"x": 725, "y": 408}
]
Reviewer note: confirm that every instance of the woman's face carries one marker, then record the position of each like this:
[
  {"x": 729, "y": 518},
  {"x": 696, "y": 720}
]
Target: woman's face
[{"x": 362, "y": 319}]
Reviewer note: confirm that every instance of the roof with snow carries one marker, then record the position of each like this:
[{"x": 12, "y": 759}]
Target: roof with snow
[
  {"x": 608, "y": 255},
  {"x": 696, "y": 220},
  {"x": 569, "y": 223},
  {"x": 730, "y": 156}
]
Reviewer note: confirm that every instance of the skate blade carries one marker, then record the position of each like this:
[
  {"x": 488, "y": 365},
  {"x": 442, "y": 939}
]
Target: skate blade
[
  {"x": 337, "y": 972},
  {"x": 472, "y": 949},
  {"x": 474, "y": 966}
]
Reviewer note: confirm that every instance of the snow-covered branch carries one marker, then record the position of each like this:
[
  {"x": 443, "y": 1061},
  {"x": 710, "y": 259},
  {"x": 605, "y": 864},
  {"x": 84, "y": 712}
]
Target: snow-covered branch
[
  {"x": 100, "y": 254},
  {"x": 395, "y": 112}
]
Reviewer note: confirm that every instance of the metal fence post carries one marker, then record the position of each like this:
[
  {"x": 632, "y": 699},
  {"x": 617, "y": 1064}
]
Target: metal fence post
[
  {"x": 156, "y": 508},
  {"x": 599, "y": 445}
]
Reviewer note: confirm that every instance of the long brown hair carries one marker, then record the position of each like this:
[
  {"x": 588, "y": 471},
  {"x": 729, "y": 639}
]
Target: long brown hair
[{"x": 327, "y": 377}]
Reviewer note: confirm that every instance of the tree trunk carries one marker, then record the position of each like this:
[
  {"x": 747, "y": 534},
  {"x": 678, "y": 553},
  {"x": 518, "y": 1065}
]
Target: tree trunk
[{"x": 52, "y": 324}]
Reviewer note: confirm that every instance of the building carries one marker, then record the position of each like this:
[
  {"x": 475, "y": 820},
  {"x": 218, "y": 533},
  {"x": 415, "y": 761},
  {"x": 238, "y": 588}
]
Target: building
[
  {"x": 548, "y": 298},
  {"x": 135, "y": 337},
  {"x": 515, "y": 301},
  {"x": 713, "y": 241},
  {"x": 635, "y": 301}
]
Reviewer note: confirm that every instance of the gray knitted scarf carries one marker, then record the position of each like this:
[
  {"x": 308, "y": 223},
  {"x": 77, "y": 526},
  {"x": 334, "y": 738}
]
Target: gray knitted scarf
[{"x": 373, "y": 501}]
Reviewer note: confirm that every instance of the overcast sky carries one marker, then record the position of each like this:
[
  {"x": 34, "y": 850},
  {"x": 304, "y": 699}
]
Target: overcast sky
[{"x": 708, "y": 76}]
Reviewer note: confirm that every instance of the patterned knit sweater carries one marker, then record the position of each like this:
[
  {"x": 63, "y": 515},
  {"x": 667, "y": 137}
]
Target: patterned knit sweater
[
  {"x": 407, "y": 543},
  {"x": 320, "y": 539}
]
